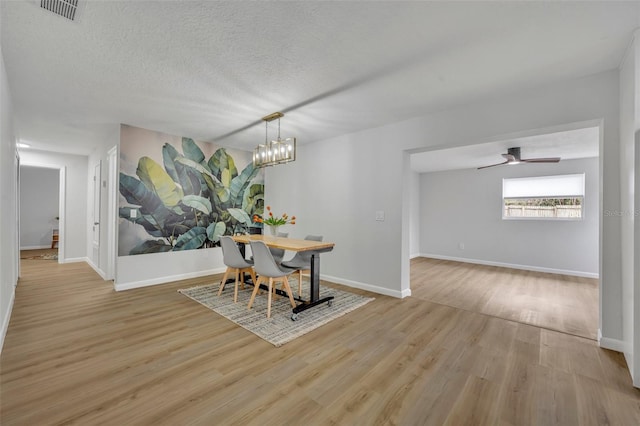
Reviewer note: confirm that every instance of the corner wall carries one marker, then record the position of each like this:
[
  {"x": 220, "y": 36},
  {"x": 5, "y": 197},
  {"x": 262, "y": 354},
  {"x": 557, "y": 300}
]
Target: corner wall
[
  {"x": 9, "y": 255},
  {"x": 630, "y": 205}
]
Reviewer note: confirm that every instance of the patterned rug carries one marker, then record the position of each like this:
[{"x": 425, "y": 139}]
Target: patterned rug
[
  {"x": 279, "y": 329},
  {"x": 41, "y": 257}
]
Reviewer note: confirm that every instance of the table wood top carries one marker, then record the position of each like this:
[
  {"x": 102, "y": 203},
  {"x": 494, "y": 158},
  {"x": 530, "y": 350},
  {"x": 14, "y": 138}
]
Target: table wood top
[{"x": 291, "y": 244}]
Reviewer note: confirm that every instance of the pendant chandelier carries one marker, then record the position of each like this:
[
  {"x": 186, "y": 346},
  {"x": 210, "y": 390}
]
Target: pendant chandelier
[{"x": 277, "y": 151}]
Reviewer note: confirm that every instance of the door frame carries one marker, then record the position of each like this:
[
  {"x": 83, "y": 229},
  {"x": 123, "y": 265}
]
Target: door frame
[
  {"x": 112, "y": 207},
  {"x": 62, "y": 202}
]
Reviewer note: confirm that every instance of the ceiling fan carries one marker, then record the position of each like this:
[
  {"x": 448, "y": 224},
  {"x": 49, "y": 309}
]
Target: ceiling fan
[{"x": 513, "y": 157}]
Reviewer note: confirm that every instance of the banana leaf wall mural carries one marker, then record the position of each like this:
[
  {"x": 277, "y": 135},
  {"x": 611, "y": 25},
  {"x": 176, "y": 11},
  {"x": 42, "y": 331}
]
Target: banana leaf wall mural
[{"x": 176, "y": 194}]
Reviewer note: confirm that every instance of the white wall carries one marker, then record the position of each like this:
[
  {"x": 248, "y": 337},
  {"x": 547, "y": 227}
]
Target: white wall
[
  {"x": 9, "y": 254},
  {"x": 39, "y": 203},
  {"x": 73, "y": 227},
  {"x": 414, "y": 214},
  {"x": 634, "y": 317},
  {"x": 337, "y": 195},
  {"x": 465, "y": 207},
  {"x": 629, "y": 126}
]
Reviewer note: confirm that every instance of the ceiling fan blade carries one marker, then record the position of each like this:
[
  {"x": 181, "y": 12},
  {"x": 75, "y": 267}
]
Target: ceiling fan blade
[
  {"x": 541, "y": 160},
  {"x": 493, "y": 165}
]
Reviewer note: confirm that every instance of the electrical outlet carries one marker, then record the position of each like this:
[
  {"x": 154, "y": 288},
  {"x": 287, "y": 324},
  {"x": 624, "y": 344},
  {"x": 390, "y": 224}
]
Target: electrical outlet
[
  {"x": 461, "y": 246},
  {"x": 380, "y": 215},
  {"x": 133, "y": 213}
]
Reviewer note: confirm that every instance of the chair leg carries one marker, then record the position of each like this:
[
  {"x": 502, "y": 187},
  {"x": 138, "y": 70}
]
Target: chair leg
[
  {"x": 269, "y": 298},
  {"x": 285, "y": 283},
  {"x": 235, "y": 287},
  {"x": 224, "y": 280},
  {"x": 253, "y": 294},
  {"x": 252, "y": 272}
]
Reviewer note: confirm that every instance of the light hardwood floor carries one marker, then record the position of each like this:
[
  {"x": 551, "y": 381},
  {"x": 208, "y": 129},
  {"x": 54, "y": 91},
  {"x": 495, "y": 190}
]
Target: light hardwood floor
[
  {"x": 557, "y": 302},
  {"x": 76, "y": 352}
]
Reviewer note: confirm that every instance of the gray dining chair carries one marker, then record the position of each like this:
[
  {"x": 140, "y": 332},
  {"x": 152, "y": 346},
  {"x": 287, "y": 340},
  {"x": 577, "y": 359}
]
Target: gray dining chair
[
  {"x": 269, "y": 272},
  {"x": 278, "y": 254},
  {"x": 235, "y": 263},
  {"x": 302, "y": 262}
]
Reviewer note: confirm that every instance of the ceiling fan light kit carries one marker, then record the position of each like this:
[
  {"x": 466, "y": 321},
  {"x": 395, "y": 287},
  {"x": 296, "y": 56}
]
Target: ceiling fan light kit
[{"x": 513, "y": 157}]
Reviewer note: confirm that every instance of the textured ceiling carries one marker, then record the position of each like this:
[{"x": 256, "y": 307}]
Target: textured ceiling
[{"x": 210, "y": 70}]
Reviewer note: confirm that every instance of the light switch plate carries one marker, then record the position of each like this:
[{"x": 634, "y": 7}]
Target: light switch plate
[{"x": 133, "y": 213}]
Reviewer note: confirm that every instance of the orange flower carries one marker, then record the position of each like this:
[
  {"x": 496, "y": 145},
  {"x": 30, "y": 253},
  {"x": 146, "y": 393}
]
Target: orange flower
[{"x": 274, "y": 220}]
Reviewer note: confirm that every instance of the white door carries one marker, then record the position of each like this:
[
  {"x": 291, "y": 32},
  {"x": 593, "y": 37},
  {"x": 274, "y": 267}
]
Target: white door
[{"x": 96, "y": 215}]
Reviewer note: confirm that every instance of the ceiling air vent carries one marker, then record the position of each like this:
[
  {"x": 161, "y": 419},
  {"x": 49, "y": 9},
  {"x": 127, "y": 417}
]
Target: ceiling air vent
[{"x": 64, "y": 8}]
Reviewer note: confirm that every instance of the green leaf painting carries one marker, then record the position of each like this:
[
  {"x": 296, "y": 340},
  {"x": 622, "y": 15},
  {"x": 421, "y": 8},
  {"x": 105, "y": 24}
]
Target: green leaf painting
[
  {"x": 156, "y": 179},
  {"x": 188, "y": 201}
]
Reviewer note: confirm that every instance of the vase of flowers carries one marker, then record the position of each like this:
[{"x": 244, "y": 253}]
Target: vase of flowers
[
  {"x": 273, "y": 230},
  {"x": 274, "y": 222}
]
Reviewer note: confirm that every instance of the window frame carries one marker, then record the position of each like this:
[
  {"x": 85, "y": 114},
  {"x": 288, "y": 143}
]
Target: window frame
[{"x": 581, "y": 196}]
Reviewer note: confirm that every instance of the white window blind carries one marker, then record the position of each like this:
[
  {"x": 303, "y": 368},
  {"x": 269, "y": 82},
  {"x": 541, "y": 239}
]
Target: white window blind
[{"x": 544, "y": 186}]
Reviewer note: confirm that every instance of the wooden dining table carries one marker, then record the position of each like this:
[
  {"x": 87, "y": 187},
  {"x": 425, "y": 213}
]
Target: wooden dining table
[{"x": 292, "y": 244}]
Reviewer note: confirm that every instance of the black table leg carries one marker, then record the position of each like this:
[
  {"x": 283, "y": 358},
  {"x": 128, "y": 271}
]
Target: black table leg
[{"x": 315, "y": 289}]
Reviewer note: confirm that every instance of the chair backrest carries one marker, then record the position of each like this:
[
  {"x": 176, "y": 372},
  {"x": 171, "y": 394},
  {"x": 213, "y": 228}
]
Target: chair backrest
[
  {"x": 263, "y": 261},
  {"x": 231, "y": 255},
  {"x": 277, "y": 253},
  {"x": 306, "y": 256}
]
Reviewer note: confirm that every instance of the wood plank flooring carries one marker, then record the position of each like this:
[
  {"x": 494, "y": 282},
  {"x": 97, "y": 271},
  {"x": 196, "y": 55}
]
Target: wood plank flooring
[
  {"x": 557, "y": 302},
  {"x": 77, "y": 352}
]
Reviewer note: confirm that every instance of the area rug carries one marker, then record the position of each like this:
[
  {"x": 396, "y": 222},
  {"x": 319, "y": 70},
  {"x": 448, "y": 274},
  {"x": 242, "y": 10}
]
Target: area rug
[
  {"x": 41, "y": 257},
  {"x": 279, "y": 329}
]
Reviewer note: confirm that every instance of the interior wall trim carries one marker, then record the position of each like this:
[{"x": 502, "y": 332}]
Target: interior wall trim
[
  {"x": 118, "y": 286},
  {"x": 611, "y": 344},
  {"x": 367, "y": 287},
  {"x": 95, "y": 267},
  {"x": 514, "y": 266},
  {"x": 7, "y": 317}
]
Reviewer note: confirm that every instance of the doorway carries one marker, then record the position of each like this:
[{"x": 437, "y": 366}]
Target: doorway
[
  {"x": 456, "y": 215},
  {"x": 39, "y": 207}
]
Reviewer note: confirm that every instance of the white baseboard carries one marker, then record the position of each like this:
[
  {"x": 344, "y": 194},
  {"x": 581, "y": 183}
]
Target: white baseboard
[
  {"x": 7, "y": 318},
  {"x": 171, "y": 278},
  {"x": 612, "y": 344},
  {"x": 35, "y": 247},
  {"x": 95, "y": 268},
  {"x": 514, "y": 266},
  {"x": 74, "y": 260},
  {"x": 367, "y": 287},
  {"x": 413, "y": 256},
  {"x": 166, "y": 279}
]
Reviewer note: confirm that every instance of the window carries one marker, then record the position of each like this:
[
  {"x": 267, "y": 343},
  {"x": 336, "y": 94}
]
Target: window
[{"x": 544, "y": 197}]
